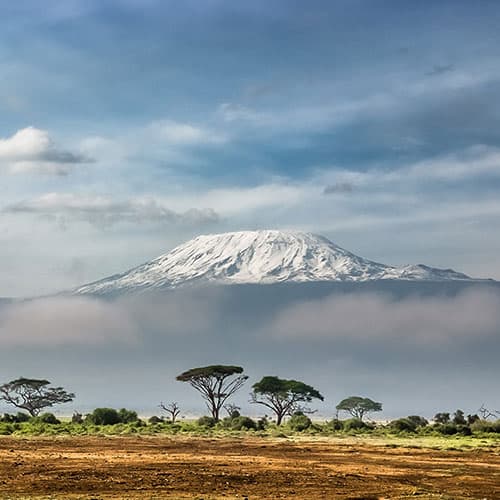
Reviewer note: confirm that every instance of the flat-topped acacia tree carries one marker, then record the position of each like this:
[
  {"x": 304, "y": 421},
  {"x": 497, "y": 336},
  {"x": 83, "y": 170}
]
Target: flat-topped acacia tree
[
  {"x": 33, "y": 395},
  {"x": 283, "y": 397},
  {"x": 358, "y": 407},
  {"x": 215, "y": 383}
]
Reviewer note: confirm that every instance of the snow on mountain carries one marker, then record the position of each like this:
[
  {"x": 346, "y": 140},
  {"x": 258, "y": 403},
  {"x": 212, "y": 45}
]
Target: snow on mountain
[{"x": 259, "y": 257}]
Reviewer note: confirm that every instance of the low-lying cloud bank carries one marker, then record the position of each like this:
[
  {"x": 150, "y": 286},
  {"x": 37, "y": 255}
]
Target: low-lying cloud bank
[
  {"x": 416, "y": 354},
  {"x": 191, "y": 315},
  {"x": 472, "y": 315},
  {"x": 65, "y": 321}
]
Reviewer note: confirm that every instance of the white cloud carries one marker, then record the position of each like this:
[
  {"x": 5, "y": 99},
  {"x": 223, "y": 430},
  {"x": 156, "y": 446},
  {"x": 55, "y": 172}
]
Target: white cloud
[
  {"x": 61, "y": 321},
  {"x": 103, "y": 211},
  {"x": 374, "y": 317},
  {"x": 185, "y": 134},
  {"x": 31, "y": 150}
]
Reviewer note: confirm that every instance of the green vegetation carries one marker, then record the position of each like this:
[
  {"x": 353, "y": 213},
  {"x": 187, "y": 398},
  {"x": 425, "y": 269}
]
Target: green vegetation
[
  {"x": 358, "y": 407},
  {"x": 283, "y": 397},
  {"x": 215, "y": 383},
  {"x": 33, "y": 395},
  {"x": 408, "y": 431}
]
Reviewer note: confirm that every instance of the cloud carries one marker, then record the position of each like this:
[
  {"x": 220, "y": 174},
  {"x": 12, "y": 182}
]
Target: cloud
[
  {"x": 471, "y": 163},
  {"x": 85, "y": 321},
  {"x": 339, "y": 187},
  {"x": 231, "y": 112},
  {"x": 102, "y": 211},
  {"x": 405, "y": 352},
  {"x": 185, "y": 134},
  {"x": 31, "y": 150},
  {"x": 371, "y": 317},
  {"x": 440, "y": 69},
  {"x": 63, "y": 321}
]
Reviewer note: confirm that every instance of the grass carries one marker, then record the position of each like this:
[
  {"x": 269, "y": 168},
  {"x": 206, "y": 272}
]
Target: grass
[{"x": 382, "y": 436}]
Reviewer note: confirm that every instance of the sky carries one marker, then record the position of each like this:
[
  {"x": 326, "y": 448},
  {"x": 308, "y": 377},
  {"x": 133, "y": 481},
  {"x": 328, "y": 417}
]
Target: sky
[{"x": 128, "y": 127}]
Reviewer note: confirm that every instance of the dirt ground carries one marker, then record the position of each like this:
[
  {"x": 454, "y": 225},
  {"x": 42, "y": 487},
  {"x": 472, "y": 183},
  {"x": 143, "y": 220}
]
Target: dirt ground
[{"x": 158, "y": 467}]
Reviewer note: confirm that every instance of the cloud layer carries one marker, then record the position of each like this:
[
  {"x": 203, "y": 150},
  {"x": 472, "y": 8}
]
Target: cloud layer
[
  {"x": 371, "y": 343},
  {"x": 369, "y": 317},
  {"x": 104, "y": 212}
]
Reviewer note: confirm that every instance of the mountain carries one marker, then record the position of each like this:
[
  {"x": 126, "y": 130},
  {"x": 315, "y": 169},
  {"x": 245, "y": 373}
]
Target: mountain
[{"x": 260, "y": 257}]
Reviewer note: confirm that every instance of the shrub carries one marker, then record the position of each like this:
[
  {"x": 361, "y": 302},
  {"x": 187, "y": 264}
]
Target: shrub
[
  {"x": 103, "y": 416},
  {"x": 403, "y": 425},
  {"x": 19, "y": 417},
  {"x": 77, "y": 418},
  {"x": 155, "y": 420},
  {"x": 46, "y": 418},
  {"x": 486, "y": 426},
  {"x": 299, "y": 422},
  {"x": 6, "y": 429},
  {"x": 240, "y": 423},
  {"x": 262, "y": 424},
  {"x": 472, "y": 418},
  {"x": 418, "y": 420},
  {"x": 206, "y": 421},
  {"x": 355, "y": 424},
  {"x": 442, "y": 418},
  {"x": 234, "y": 413},
  {"x": 459, "y": 418},
  {"x": 450, "y": 429},
  {"x": 127, "y": 416},
  {"x": 335, "y": 424}
]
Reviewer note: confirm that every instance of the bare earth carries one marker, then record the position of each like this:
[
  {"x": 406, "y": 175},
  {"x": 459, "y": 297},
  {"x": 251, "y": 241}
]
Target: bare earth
[{"x": 253, "y": 468}]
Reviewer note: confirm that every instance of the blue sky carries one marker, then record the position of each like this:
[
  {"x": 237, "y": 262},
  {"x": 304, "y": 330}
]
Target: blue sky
[{"x": 129, "y": 126}]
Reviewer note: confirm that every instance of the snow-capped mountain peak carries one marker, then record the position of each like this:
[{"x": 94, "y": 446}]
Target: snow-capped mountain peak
[{"x": 259, "y": 257}]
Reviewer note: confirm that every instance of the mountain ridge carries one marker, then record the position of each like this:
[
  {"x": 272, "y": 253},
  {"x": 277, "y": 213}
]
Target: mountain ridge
[{"x": 259, "y": 257}]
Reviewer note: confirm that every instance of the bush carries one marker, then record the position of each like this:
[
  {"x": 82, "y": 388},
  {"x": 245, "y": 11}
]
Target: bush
[
  {"x": 240, "y": 423},
  {"x": 18, "y": 418},
  {"x": 262, "y": 424},
  {"x": 6, "y": 429},
  {"x": 355, "y": 424},
  {"x": 450, "y": 429},
  {"x": 155, "y": 420},
  {"x": 485, "y": 426},
  {"x": 442, "y": 418},
  {"x": 103, "y": 416},
  {"x": 403, "y": 425},
  {"x": 418, "y": 420},
  {"x": 77, "y": 418},
  {"x": 46, "y": 418},
  {"x": 335, "y": 424},
  {"x": 472, "y": 418},
  {"x": 299, "y": 422},
  {"x": 127, "y": 416},
  {"x": 459, "y": 418},
  {"x": 206, "y": 421}
]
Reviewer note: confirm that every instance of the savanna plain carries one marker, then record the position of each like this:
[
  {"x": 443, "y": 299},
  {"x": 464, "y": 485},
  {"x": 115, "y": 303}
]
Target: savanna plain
[{"x": 216, "y": 464}]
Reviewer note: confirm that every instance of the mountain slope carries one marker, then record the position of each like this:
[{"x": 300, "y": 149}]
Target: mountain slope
[{"x": 259, "y": 257}]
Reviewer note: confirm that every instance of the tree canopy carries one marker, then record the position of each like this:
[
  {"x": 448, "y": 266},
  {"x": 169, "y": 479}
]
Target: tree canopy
[
  {"x": 358, "y": 407},
  {"x": 33, "y": 395},
  {"x": 215, "y": 383},
  {"x": 283, "y": 397}
]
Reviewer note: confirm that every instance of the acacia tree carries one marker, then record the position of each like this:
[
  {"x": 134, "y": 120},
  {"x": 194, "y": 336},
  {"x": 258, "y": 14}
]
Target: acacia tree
[
  {"x": 283, "y": 397},
  {"x": 358, "y": 407},
  {"x": 215, "y": 383},
  {"x": 33, "y": 395},
  {"x": 171, "y": 408}
]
